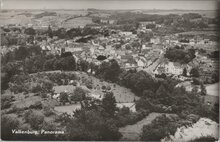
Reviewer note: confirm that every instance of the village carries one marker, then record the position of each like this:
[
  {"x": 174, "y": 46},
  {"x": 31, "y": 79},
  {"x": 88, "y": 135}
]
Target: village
[{"x": 61, "y": 63}]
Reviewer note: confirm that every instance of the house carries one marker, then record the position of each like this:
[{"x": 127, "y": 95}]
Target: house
[
  {"x": 104, "y": 21},
  {"x": 111, "y": 21},
  {"x": 173, "y": 69},
  {"x": 145, "y": 23},
  {"x": 125, "y": 33},
  {"x": 169, "y": 68},
  {"x": 140, "y": 63},
  {"x": 158, "y": 26},
  {"x": 155, "y": 40}
]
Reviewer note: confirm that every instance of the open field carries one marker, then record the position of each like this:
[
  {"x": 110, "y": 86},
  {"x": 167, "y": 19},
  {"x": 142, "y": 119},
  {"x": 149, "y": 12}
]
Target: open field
[
  {"x": 213, "y": 89},
  {"x": 57, "y": 17},
  {"x": 69, "y": 109}
]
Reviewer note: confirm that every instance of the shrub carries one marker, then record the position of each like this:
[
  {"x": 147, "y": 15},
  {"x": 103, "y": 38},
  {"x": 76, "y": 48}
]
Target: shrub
[
  {"x": 43, "y": 95},
  {"x": 103, "y": 87},
  {"x": 36, "y": 105},
  {"x": 34, "y": 118},
  {"x": 78, "y": 95},
  {"x": 48, "y": 111},
  {"x": 74, "y": 83},
  {"x": 196, "y": 81},
  {"x": 36, "y": 89},
  {"x": 194, "y": 72},
  {"x": 14, "y": 109},
  {"x": 64, "y": 97},
  {"x": 6, "y": 101}
]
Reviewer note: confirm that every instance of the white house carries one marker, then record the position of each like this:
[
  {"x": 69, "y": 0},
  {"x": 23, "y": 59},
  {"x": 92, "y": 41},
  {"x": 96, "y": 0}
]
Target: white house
[
  {"x": 125, "y": 33},
  {"x": 140, "y": 63}
]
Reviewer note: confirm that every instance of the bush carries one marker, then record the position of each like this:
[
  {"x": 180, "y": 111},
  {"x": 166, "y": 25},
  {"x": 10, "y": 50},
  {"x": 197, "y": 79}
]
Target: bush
[
  {"x": 74, "y": 83},
  {"x": 36, "y": 105},
  {"x": 194, "y": 72},
  {"x": 14, "y": 109},
  {"x": 103, "y": 87},
  {"x": 34, "y": 118},
  {"x": 196, "y": 81},
  {"x": 78, "y": 95},
  {"x": 6, "y": 101},
  {"x": 36, "y": 89},
  {"x": 43, "y": 95},
  {"x": 64, "y": 97},
  {"x": 48, "y": 111}
]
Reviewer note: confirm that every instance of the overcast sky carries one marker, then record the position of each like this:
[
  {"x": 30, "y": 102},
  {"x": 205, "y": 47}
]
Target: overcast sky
[{"x": 109, "y": 4}]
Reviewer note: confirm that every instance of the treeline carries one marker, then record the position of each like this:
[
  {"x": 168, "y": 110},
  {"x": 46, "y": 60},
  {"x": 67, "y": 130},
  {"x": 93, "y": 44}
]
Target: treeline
[
  {"x": 15, "y": 36},
  {"x": 174, "y": 23}
]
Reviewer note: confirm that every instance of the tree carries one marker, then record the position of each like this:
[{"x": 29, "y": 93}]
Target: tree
[
  {"x": 47, "y": 86},
  {"x": 30, "y": 31},
  {"x": 184, "y": 72},
  {"x": 61, "y": 33},
  {"x": 196, "y": 81},
  {"x": 145, "y": 36},
  {"x": 64, "y": 97},
  {"x": 92, "y": 125},
  {"x": 49, "y": 64},
  {"x": 148, "y": 94},
  {"x": 50, "y": 32},
  {"x": 78, "y": 95},
  {"x": 109, "y": 103},
  {"x": 109, "y": 70},
  {"x": 66, "y": 64},
  {"x": 34, "y": 118},
  {"x": 195, "y": 90},
  {"x": 203, "y": 90},
  {"x": 21, "y": 53},
  {"x": 4, "y": 81},
  {"x": 144, "y": 104},
  {"x": 163, "y": 95},
  {"x": 6, "y": 101},
  {"x": 194, "y": 72},
  {"x": 84, "y": 65}
]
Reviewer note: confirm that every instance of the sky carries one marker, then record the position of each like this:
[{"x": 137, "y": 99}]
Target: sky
[{"x": 110, "y": 4}]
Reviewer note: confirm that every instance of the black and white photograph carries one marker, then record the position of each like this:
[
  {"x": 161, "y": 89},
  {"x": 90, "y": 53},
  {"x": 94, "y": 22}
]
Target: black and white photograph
[{"x": 109, "y": 70}]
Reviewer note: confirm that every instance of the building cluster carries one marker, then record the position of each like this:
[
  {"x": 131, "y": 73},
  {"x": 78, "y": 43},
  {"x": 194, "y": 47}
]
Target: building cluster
[{"x": 126, "y": 47}]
